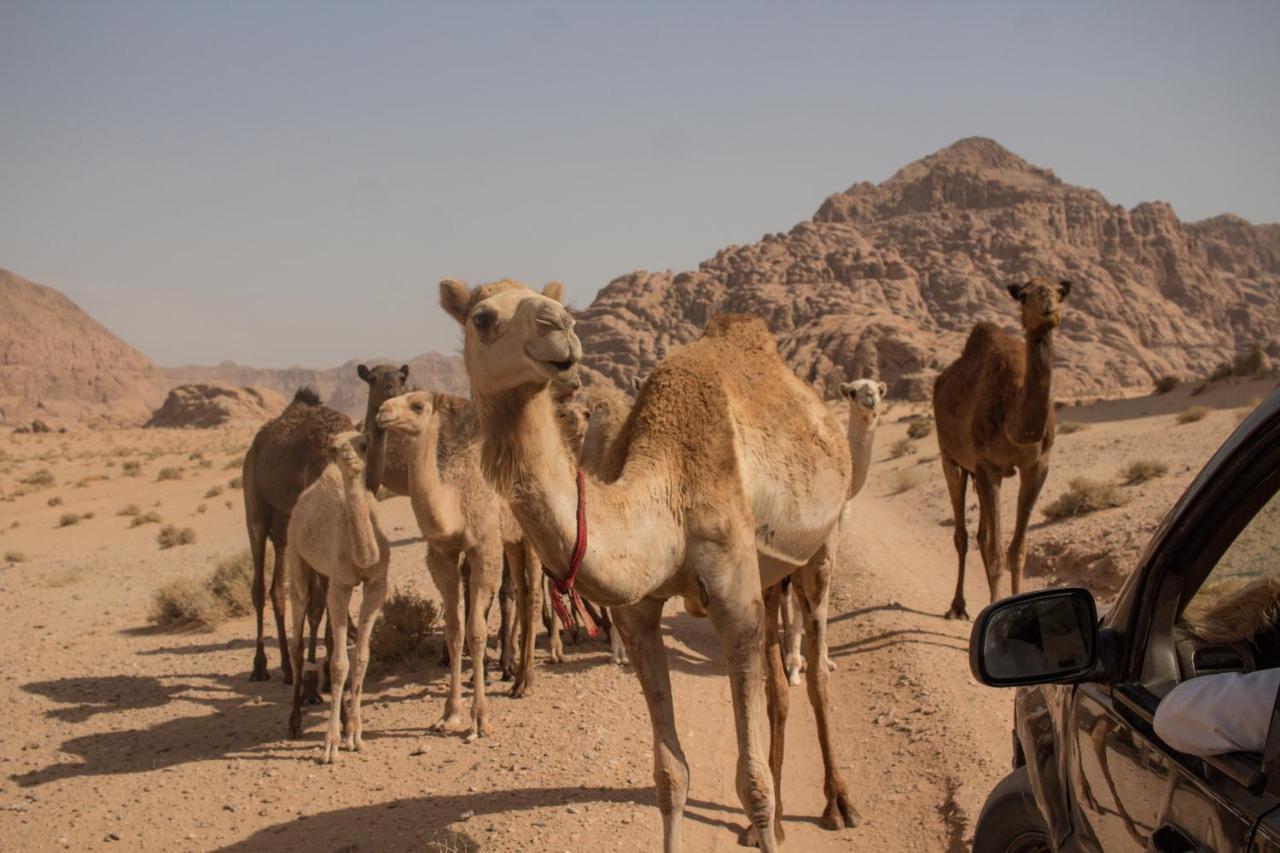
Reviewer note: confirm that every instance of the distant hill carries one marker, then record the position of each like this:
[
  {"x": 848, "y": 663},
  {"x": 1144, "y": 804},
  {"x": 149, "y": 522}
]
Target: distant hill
[
  {"x": 60, "y": 365},
  {"x": 888, "y": 279}
]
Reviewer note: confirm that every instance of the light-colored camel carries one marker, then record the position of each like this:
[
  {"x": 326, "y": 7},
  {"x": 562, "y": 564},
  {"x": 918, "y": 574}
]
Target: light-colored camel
[
  {"x": 866, "y": 404},
  {"x": 287, "y": 455},
  {"x": 994, "y": 412},
  {"x": 334, "y": 532},
  {"x": 729, "y": 474},
  {"x": 460, "y": 515}
]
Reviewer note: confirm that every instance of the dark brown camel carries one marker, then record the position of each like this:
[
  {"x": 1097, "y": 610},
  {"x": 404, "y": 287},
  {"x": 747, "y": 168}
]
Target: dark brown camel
[
  {"x": 287, "y": 455},
  {"x": 994, "y": 411},
  {"x": 387, "y": 463}
]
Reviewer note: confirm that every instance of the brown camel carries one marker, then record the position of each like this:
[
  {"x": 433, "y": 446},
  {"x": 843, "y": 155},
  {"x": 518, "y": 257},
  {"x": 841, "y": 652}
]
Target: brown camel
[
  {"x": 287, "y": 455},
  {"x": 730, "y": 473},
  {"x": 994, "y": 412},
  {"x": 388, "y": 461},
  {"x": 461, "y": 516}
]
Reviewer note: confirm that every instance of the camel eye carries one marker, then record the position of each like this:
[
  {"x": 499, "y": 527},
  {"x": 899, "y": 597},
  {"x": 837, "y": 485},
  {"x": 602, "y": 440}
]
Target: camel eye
[
  {"x": 483, "y": 320},
  {"x": 417, "y": 407}
]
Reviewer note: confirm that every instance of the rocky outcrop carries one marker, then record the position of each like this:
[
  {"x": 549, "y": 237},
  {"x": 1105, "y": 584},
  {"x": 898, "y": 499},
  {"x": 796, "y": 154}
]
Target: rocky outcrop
[
  {"x": 204, "y": 405},
  {"x": 888, "y": 279}
]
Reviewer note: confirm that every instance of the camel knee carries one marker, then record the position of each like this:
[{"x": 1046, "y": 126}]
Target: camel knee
[{"x": 671, "y": 777}]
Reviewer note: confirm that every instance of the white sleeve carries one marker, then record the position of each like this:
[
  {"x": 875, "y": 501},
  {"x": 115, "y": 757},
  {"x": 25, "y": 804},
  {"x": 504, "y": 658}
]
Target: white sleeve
[{"x": 1213, "y": 714}]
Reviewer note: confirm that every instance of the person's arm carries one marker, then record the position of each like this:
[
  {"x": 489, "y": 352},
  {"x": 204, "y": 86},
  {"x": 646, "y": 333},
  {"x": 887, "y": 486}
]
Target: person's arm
[{"x": 1213, "y": 714}]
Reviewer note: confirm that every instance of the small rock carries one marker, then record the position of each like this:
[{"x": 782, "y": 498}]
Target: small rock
[
  {"x": 467, "y": 815},
  {"x": 111, "y": 836}
]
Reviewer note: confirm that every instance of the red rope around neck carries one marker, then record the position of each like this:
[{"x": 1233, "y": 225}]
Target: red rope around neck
[{"x": 562, "y": 588}]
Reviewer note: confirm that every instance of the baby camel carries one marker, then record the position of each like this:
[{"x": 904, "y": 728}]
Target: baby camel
[
  {"x": 866, "y": 404},
  {"x": 334, "y": 532}
]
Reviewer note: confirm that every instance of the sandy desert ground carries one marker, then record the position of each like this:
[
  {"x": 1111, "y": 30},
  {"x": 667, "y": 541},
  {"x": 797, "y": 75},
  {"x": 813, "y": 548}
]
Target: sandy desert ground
[{"x": 123, "y": 735}]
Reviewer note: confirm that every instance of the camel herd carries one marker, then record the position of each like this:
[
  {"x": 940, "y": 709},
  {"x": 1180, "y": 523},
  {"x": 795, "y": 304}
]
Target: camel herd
[{"x": 724, "y": 484}]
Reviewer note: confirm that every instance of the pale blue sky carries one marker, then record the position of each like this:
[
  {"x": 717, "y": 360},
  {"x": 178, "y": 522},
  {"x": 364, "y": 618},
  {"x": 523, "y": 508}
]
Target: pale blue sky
[{"x": 280, "y": 183}]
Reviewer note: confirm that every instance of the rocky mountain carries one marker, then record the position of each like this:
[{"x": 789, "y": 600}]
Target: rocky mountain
[
  {"x": 888, "y": 279},
  {"x": 58, "y": 364},
  {"x": 205, "y": 405}
]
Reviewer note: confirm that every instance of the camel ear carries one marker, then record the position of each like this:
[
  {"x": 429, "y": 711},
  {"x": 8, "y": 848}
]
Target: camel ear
[
  {"x": 362, "y": 371},
  {"x": 1064, "y": 287},
  {"x": 554, "y": 290},
  {"x": 404, "y": 373},
  {"x": 884, "y": 389},
  {"x": 454, "y": 297},
  {"x": 1016, "y": 291},
  {"x": 846, "y": 389}
]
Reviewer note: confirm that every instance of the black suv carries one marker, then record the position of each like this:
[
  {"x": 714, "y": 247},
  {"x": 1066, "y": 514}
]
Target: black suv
[{"x": 1089, "y": 771}]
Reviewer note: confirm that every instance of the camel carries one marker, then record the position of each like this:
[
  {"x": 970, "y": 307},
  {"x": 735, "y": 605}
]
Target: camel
[
  {"x": 866, "y": 404},
  {"x": 729, "y": 474},
  {"x": 334, "y": 532},
  {"x": 460, "y": 515},
  {"x": 287, "y": 455},
  {"x": 388, "y": 463},
  {"x": 994, "y": 412}
]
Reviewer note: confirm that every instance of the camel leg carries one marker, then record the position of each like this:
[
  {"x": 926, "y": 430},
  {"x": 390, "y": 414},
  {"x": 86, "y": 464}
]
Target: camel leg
[
  {"x": 311, "y": 676},
  {"x": 617, "y": 648},
  {"x": 793, "y": 629},
  {"x": 300, "y": 593},
  {"x": 507, "y": 612},
  {"x": 444, "y": 571},
  {"x": 258, "y": 528},
  {"x": 279, "y": 536},
  {"x": 814, "y": 580},
  {"x": 339, "y": 600},
  {"x": 957, "y": 484},
  {"x": 987, "y": 483},
  {"x": 555, "y": 643},
  {"x": 375, "y": 594},
  {"x": 778, "y": 702},
  {"x": 640, "y": 625},
  {"x": 486, "y": 576},
  {"x": 1031, "y": 481},
  {"x": 525, "y": 576}
]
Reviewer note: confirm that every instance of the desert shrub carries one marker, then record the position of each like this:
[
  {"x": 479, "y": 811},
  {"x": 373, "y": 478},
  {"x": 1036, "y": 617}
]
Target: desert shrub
[
  {"x": 900, "y": 448},
  {"x": 204, "y": 463},
  {"x": 202, "y": 509},
  {"x": 213, "y": 492},
  {"x": 169, "y": 474},
  {"x": 1199, "y": 389},
  {"x": 1141, "y": 470},
  {"x": 906, "y": 479},
  {"x": 232, "y": 583},
  {"x": 1084, "y": 496},
  {"x": 132, "y": 469},
  {"x": 87, "y": 515},
  {"x": 150, "y": 517},
  {"x": 57, "y": 501},
  {"x": 15, "y": 557},
  {"x": 1165, "y": 384},
  {"x": 1068, "y": 427},
  {"x": 171, "y": 537},
  {"x": 403, "y": 630},
  {"x": 195, "y": 456},
  {"x": 39, "y": 477},
  {"x": 235, "y": 483},
  {"x": 1193, "y": 414},
  {"x": 186, "y": 601},
  {"x": 920, "y": 429},
  {"x": 131, "y": 509},
  {"x": 68, "y": 518}
]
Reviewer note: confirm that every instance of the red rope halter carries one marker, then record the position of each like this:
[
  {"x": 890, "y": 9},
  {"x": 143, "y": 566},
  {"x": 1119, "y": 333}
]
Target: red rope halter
[{"x": 572, "y": 611}]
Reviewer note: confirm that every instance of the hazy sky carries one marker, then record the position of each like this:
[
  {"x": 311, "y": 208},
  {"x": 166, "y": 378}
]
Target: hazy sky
[{"x": 282, "y": 183}]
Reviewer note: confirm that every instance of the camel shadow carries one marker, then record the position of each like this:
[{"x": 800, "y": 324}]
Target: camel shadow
[
  {"x": 892, "y": 607},
  {"x": 201, "y": 648},
  {"x": 886, "y": 639}
]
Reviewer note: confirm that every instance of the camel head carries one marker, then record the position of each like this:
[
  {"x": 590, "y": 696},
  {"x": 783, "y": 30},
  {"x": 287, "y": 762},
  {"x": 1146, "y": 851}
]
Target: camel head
[
  {"x": 512, "y": 336},
  {"x": 349, "y": 449},
  {"x": 1041, "y": 300},
  {"x": 409, "y": 413},
  {"x": 385, "y": 382},
  {"x": 866, "y": 397}
]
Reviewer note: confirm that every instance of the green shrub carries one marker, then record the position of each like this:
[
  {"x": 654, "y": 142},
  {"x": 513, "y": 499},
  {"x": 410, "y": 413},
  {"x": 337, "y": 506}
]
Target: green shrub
[
  {"x": 171, "y": 537},
  {"x": 1084, "y": 496},
  {"x": 1193, "y": 414},
  {"x": 403, "y": 630},
  {"x": 1142, "y": 470}
]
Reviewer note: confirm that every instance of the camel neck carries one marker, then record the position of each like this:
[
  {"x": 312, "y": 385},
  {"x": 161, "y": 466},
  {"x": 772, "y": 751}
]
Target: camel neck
[
  {"x": 862, "y": 435},
  {"x": 364, "y": 540},
  {"x": 526, "y": 461},
  {"x": 434, "y": 503},
  {"x": 1035, "y": 397}
]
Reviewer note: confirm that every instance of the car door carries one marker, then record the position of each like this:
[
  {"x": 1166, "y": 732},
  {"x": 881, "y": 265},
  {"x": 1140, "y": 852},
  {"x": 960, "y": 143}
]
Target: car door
[{"x": 1130, "y": 790}]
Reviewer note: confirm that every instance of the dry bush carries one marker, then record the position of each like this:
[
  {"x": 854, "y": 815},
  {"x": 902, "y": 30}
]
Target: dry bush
[
  {"x": 232, "y": 583},
  {"x": 39, "y": 477},
  {"x": 56, "y": 501},
  {"x": 68, "y": 518},
  {"x": 1068, "y": 427},
  {"x": 169, "y": 474},
  {"x": 213, "y": 492},
  {"x": 151, "y": 517},
  {"x": 86, "y": 515},
  {"x": 403, "y": 630},
  {"x": 1141, "y": 470},
  {"x": 171, "y": 537},
  {"x": 906, "y": 479},
  {"x": 195, "y": 455},
  {"x": 234, "y": 463},
  {"x": 235, "y": 483},
  {"x": 920, "y": 429},
  {"x": 1165, "y": 384},
  {"x": 132, "y": 469},
  {"x": 1084, "y": 496},
  {"x": 186, "y": 601},
  {"x": 131, "y": 509},
  {"x": 202, "y": 509},
  {"x": 15, "y": 557},
  {"x": 1193, "y": 414},
  {"x": 900, "y": 448}
]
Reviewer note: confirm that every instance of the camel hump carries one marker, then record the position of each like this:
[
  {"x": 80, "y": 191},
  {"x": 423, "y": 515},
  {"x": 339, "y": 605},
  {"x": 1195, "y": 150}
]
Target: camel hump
[
  {"x": 307, "y": 396},
  {"x": 984, "y": 336},
  {"x": 742, "y": 330}
]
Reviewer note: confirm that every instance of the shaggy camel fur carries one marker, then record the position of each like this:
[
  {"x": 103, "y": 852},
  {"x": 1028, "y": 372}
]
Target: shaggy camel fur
[
  {"x": 866, "y": 404},
  {"x": 994, "y": 412},
  {"x": 460, "y": 516},
  {"x": 334, "y": 532},
  {"x": 287, "y": 455},
  {"x": 388, "y": 454},
  {"x": 729, "y": 474}
]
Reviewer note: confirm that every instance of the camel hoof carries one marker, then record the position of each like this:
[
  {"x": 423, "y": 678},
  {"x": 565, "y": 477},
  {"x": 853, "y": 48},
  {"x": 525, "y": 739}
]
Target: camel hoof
[
  {"x": 831, "y": 665},
  {"x": 330, "y": 752},
  {"x": 452, "y": 723},
  {"x": 519, "y": 690},
  {"x": 750, "y": 838},
  {"x": 840, "y": 814},
  {"x": 260, "y": 675},
  {"x": 295, "y": 726},
  {"x": 793, "y": 676},
  {"x": 958, "y": 611},
  {"x": 310, "y": 695}
]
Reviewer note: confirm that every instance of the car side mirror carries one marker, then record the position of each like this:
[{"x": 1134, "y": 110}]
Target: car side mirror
[{"x": 1047, "y": 636}]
